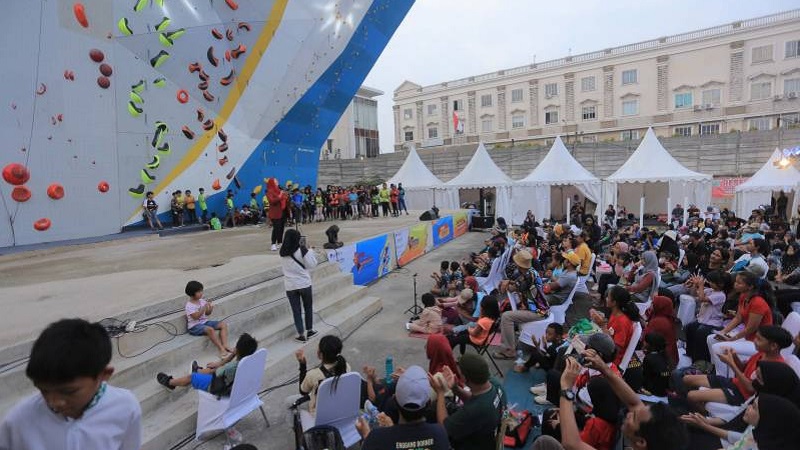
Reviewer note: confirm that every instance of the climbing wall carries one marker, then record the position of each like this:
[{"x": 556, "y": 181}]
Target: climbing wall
[{"x": 103, "y": 101}]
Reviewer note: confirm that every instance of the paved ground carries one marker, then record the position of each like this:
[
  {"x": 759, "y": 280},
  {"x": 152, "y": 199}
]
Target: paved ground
[
  {"x": 103, "y": 279},
  {"x": 382, "y": 335}
]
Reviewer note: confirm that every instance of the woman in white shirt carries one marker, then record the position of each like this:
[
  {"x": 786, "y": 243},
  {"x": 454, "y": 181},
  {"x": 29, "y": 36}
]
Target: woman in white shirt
[{"x": 297, "y": 262}]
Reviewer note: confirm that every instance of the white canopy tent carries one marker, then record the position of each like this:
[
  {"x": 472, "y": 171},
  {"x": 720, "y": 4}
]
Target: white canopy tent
[
  {"x": 481, "y": 172},
  {"x": 557, "y": 169},
  {"x": 653, "y": 174},
  {"x": 418, "y": 181},
  {"x": 759, "y": 188}
]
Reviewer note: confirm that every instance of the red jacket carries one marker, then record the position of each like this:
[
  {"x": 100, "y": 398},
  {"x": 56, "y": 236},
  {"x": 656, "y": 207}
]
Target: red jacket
[{"x": 277, "y": 200}]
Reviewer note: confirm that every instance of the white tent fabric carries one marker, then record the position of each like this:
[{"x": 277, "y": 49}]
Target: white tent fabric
[
  {"x": 651, "y": 163},
  {"x": 482, "y": 172},
  {"x": 758, "y": 189},
  {"x": 558, "y": 168},
  {"x": 418, "y": 181}
]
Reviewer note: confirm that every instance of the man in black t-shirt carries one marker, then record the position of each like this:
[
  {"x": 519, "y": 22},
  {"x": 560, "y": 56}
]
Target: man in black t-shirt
[{"x": 412, "y": 396}]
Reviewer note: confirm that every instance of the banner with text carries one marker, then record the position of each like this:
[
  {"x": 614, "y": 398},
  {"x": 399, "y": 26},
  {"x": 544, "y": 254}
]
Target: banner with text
[
  {"x": 460, "y": 224},
  {"x": 442, "y": 231},
  {"x": 411, "y": 242},
  {"x": 373, "y": 258}
]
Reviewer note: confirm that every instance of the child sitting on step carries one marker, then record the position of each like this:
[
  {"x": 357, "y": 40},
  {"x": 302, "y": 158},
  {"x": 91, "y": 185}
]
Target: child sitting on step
[
  {"x": 197, "y": 311},
  {"x": 217, "y": 377},
  {"x": 430, "y": 320}
]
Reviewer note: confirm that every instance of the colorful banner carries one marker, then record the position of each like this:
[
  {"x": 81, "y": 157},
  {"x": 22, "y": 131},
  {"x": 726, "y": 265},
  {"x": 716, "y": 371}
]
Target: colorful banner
[
  {"x": 343, "y": 256},
  {"x": 411, "y": 243},
  {"x": 725, "y": 187},
  {"x": 442, "y": 231},
  {"x": 373, "y": 258},
  {"x": 461, "y": 225}
]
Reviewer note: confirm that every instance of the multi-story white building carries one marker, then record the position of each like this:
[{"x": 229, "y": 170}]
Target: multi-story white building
[
  {"x": 356, "y": 133},
  {"x": 735, "y": 77}
]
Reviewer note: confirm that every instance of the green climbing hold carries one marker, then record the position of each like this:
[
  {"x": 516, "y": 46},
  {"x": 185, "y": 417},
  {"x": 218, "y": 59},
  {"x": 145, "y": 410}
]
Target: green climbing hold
[
  {"x": 140, "y": 4},
  {"x": 137, "y": 192},
  {"x": 138, "y": 87},
  {"x": 136, "y": 98},
  {"x": 146, "y": 177},
  {"x": 123, "y": 26},
  {"x": 160, "y": 82},
  {"x": 134, "y": 110},
  {"x": 163, "y": 25},
  {"x": 159, "y": 59},
  {"x": 154, "y": 163},
  {"x": 165, "y": 41},
  {"x": 164, "y": 149}
]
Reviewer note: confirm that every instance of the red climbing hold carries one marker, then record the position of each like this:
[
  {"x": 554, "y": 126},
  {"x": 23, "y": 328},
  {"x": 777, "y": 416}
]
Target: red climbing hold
[
  {"x": 103, "y": 187},
  {"x": 80, "y": 14},
  {"x": 16, "y": 174},
  {"x": 106, "y": 70},
  {"x": 21, "y": 194},
  {"x": 42, "y": 224},
  {"x": 55, "y": 191},
  {"x": 215, "y": 185},
  {"x": 41, "y": 90},
  {"x": 96, "y": 55},
  {"x": 232, "y": 4},
  {"x": 103, "y": 82}
]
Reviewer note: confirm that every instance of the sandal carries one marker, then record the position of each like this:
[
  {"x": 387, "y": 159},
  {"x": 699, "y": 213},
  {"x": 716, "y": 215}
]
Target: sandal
[
  {"x": 163, "y": 379},
  {"x": 503, "y": 356}
]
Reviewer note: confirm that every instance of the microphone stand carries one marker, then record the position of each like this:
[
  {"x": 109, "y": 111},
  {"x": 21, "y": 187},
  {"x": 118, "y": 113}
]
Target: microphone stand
[{"x": 415, "y": 309}]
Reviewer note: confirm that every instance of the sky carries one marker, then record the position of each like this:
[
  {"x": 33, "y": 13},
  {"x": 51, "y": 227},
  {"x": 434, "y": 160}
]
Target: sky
[{"x": 442, "y": 40}]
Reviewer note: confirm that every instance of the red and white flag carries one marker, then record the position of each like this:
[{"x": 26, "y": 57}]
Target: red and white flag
[{"x": 458, "y": 125}]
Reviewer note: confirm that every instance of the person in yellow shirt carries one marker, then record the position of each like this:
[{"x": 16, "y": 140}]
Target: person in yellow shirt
[
  {"x": 584, "y": 252},
  {"x": 191, "y": 212}
]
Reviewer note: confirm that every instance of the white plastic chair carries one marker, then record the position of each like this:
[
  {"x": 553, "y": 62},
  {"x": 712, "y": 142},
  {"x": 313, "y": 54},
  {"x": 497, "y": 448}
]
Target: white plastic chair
[
  {"x": 793, "y": 362},
  {"x": 791, "y": 324},
  {"x": 337, "y": 408},
  {"x": 681, "y": 255},
  {"x": 626, "y": 357},
  {"x": 724, "y": 411},
  {"x": 496, "y": 272},
  {"x": 535, "y": 329},
  {"x": 216, "y": 415},
  {"x": 559, "y": 312}
]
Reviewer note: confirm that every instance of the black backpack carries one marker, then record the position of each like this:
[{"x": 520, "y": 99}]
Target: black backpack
[{"x": 323, "y": 437}]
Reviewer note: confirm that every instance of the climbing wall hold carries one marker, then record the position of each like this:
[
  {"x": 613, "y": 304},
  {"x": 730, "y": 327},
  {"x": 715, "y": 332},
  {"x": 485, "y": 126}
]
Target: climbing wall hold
[
  {"x": 106, "y": 70},
  {"x": 182, "y": 96},
  {"x": 21, "y": 194},
  {"x": 16, "y": 174},
  {"x": 80, "y": 14},
  {"x": 103, "y": 187},
  {"x": 103, "y": 82},
  {"x": 42, "y": 224},
  {"x": 96, "y": 55},
  {"x": 55, "y": 191}
]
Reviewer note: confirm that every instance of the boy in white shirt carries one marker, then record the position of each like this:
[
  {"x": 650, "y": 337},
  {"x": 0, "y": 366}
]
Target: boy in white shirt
[
  {"x": 75, "y": 408},
  {"x": 197, "y": 311}
]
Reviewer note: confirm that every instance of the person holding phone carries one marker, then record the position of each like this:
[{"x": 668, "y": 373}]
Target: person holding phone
[{"x": 297, "y": 261}]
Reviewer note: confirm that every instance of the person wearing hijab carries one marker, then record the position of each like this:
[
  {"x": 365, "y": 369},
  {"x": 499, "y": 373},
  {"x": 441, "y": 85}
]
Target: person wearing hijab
[
  {"x": 645, "y": 284},
  {"x": 297, "y": 262},
  {"x": 277, "y": 213},
  {"x": 440, "y": 355},
  {"x": 661, "y": 320}
]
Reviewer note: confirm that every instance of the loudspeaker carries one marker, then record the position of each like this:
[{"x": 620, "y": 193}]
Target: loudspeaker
[
  {"x": 482, "y": 222},
  {"x": 429, "y": 215}
]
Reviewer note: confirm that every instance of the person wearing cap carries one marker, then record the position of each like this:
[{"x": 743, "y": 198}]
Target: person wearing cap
[
  {"x": 527, "y": 309},
  {"x": 472, "y": 427},
  {"x": 754, "y": 260},
  {"x": 412, "y": 394},
  {"x": 557, "y": 291},
  {"x": 645, "y": 427},
  {"x": 769, "y": 341}
]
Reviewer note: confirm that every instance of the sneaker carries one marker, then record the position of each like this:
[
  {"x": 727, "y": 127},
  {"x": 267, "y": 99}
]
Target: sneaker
[
  {"x": 274, "y": 248},
  {"x": 539, "y": 389},
  {"x": 163, "y": 379},
  {"x": 408, "y": 326},
  {"x": 542, "y": 400},
  {"x": 301, "y": 339},
  {"x": 195, "y": 366},
  {"x": 311, "y": 333}
]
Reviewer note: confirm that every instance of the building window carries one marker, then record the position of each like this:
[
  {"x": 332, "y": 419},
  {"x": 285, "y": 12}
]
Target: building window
[
  {"x": 458, "y": 105},
  {"x": 629, "y": 135},
  {"x": 793, "y": 49},
  {"x": 760, "y": 124},
  {"x": 792, "y": 85},
  {"x": 486, "y": 100},
  {"x": 516, "y": 95},
  {"x": 712, "y": 97},
  {"x": 550, "y": 117},
  {"x": 408, "y": 113},
  {"x": 589, "y": 139},
  {"x": 630, "y": 107},
  {"x": 629, "y": 76},
  {"x": 709, "y": 128},
  {"x": 433, "y": 133},
  {"x": 761, "y": 91},
  {"x": 587, "y": 84},
  {"x": 683, "y": 100},
  {"x": 431, "y": 110},
  {"x": 550, "y": 90},
  {"x": 790, "y": 120},
  {"x": 409, "y": 136},
  {"x": 762, "y": 54},
  {"x": 682, "y": 131},
  {"x": 486, "y": 126},
  {"x": 518, "y": 121},
  {"x": 589, "y": 112}
]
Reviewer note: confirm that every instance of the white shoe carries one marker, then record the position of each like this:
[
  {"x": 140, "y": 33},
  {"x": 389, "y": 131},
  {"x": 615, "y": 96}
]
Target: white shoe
[
  {"x": 539, "y": 389},
  {"x": 274, "y": 248},
  {"x": 542, "y": 400},
  {"x": 408, "y": 326}
]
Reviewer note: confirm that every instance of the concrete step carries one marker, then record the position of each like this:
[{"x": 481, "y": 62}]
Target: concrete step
[
  {"x": 176, "y": 419},
  {"x": 265, "y": 298}
]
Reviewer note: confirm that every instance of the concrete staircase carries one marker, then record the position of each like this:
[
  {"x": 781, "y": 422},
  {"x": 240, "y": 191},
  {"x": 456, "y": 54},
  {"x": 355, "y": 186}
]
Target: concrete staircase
[{"x": 256, "y": 305}]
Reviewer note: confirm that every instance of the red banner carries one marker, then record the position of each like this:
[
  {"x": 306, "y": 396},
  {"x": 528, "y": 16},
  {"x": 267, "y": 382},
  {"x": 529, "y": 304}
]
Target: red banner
[{"x": 725, "y": 187}]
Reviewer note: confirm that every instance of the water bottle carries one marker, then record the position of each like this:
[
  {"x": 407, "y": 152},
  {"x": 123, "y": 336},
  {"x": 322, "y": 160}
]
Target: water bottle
[
  {"x": 520, "y": 358},
  {"x": 370, "y": 413},
  {"x": 389, "y": 370}
]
